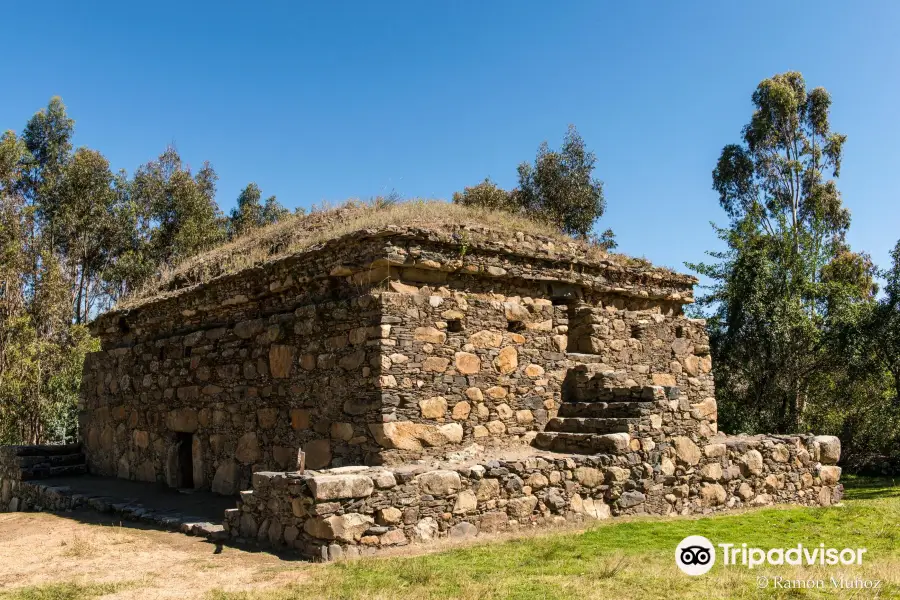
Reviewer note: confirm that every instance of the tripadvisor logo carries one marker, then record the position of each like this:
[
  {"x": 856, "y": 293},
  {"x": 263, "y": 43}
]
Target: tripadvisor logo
[{"x": 696, "y": 555}]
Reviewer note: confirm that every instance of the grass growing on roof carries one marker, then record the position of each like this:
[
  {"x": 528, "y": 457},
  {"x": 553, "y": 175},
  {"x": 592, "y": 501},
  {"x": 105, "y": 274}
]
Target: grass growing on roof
[{"x": 300, "y": 232}]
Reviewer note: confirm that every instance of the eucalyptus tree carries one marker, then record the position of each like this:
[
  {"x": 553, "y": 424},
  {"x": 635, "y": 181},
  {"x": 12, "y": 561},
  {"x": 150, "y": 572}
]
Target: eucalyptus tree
[
  {"x": 559, "y": 189},
  {"x": 560, "y": 186},
  {"x": 178, "y": 209},
  {"x": 786, "y": 260},
  {"x": 249, "y": 213}
]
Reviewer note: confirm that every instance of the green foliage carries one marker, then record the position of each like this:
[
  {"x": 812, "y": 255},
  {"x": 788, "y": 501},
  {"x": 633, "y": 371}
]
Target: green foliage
[
  {"x": 486, "y": 195},
  {"x": 864, "y": 404},
  {"x": 558, "y": 188},
  {"x": 75, "y": 237},
  {"x": 788, "y": 288},
  {"x": 882, "y": 328},
  {"x": 249, "y": 214},
  {"x": 178, "y": 209},
  {"x": 40, "y": 383}
]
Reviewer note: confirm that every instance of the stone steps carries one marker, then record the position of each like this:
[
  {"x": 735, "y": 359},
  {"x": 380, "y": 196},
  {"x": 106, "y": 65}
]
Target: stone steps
[
  {"x": 596, "y": 418},
  {"x": 603, "y": 410},
  {"x": 583, "y": 443},
  {"x": 591, "y": 425},
  {"x": 59, "y": 460},
  {"x": 39, "y": 462},
  {"x": 43, "y": 450}
]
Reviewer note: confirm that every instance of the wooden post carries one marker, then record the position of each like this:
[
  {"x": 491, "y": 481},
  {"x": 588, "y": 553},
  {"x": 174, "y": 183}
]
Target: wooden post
[{"x": 301, "y": 461}]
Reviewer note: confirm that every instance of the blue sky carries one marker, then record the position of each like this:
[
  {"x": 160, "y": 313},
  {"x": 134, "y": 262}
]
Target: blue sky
[{"x": 326, "y": 101}]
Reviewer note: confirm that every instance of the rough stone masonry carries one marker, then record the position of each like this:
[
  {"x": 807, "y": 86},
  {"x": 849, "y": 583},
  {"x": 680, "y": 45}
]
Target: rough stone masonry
[{"x": 441, "y": 381}]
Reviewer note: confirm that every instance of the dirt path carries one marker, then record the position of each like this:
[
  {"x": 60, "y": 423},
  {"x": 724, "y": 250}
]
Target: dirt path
[{"x": 40, "y": 549}]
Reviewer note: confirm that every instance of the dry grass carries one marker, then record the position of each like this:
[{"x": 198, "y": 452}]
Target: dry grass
[
  {"x": 47, "y": 557},
  {"x": 299, "y": 233}
]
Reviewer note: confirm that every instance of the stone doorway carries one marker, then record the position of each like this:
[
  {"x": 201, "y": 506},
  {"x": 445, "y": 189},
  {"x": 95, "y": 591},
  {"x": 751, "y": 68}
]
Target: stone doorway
[{"x": 184, "y": 443}]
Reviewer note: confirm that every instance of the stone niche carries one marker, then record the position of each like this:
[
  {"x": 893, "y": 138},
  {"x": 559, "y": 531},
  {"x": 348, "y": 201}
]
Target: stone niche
[{"x": 376, "y": 348}]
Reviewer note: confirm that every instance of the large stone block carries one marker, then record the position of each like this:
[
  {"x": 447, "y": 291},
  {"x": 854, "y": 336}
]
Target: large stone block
[
  {"x": 507, "y": 360},
  {"x": 521, "y": 508},
  {"x": 334, "y": 487},
  {"x": 664, "y": 379},
  {"x": 407, "y": 435},
  {"x": 439, "y": 483},
  {"x": 346, "y": 528},
  {"x": 829, "y": 448},
  {"x": 829, "y": 474},
  {"x": 247, "y": 450},
  {"x": 487, "y": 489},
  {"x": 752, "y": 462},
  {"x": 182, "y": 420},
  {"x": 433, "y": 408},
  {"x": 705, "y": 409},
  {"x": 281, "y": 359},
  {"x": 430, "y": 335},
  {"x": 712, "y": 494},
  {"x": 588, "y": 476},
  {"x": 486, "y": 339},
  {"x": 686, "y": 451},
  {"x": 435, "y": 364},
  {"x": 461, "y": 410},
  {"x": 466, "y": 502},
  {"x": 318, "y": 453},
  {"x": 299, "y": 418},
  {"x": 467, "y": 363}
]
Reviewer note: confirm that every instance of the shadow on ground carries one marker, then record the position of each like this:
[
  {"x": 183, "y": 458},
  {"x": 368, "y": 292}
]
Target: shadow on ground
[{"x": 141, "y": 505}]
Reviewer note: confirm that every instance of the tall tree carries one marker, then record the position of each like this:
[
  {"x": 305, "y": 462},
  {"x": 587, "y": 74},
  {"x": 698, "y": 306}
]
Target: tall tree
[
  {"x": 559, "y": 188},
  {"x": 784, "y": 266},
  {"x": 875, "y": 330},
  {"x": 48, "y": 137},
  {"x": 886, "y": 323},
  {"x": 74, "y": 237},
  {"x": 89, "y": 233},
  {"x": 249, "y": 213},
  {"x": 41, "y": 352},
  {"x": 179, "y": 206}
]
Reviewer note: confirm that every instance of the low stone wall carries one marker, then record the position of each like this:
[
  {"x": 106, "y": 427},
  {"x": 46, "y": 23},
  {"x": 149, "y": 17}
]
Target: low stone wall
[
  {"x": 36, "y": 496},
  {"x": 352, "y": 511},
  {"x": 21, "y": 465}
]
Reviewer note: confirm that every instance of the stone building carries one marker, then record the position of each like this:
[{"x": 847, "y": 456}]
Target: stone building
[
  {"x": 380, "y": 347},
  {"x": 441, "y": 381}
]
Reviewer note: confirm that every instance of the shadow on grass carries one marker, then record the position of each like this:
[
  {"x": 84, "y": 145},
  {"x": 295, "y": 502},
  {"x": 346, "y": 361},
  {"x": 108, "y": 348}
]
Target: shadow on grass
[{"x": 858, "y": 487}]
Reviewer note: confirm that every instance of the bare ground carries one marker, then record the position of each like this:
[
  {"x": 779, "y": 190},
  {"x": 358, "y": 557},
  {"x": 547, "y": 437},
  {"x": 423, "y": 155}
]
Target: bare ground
[{"x": 39, "y": 549}]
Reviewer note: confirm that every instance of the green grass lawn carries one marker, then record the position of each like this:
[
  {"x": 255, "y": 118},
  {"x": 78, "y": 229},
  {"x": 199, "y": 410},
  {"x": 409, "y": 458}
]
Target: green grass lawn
[{"x": 635, "y": 559}]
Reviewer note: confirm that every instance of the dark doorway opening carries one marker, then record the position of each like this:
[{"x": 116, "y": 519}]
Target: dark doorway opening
[{"x": 185, "y": 460}]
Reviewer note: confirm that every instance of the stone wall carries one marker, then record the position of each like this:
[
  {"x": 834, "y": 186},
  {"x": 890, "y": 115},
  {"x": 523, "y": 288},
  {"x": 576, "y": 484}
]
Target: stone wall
[
  {"x": 493, "y": 368},
  {"x": 354, "y": 511},
  {"x": 237, "y": 397},
  {"x": 374, "y": 348},
  {"x": 22, "y": 466}
]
